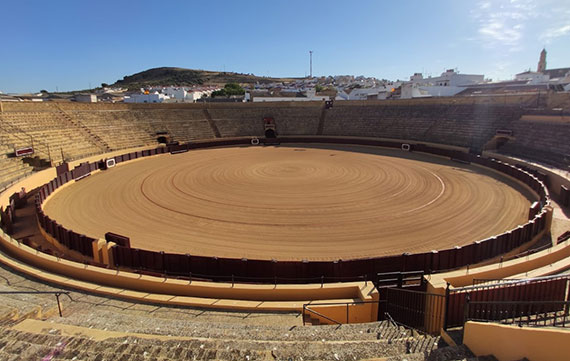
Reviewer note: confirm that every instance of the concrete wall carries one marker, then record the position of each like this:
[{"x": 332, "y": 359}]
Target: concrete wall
[
  {"x": 509, "y": 343},
  {"x": 160, "y": 285}
]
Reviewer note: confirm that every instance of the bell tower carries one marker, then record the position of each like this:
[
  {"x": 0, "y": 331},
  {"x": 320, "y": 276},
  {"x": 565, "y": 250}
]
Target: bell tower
[{"x": 542, "y": 61}]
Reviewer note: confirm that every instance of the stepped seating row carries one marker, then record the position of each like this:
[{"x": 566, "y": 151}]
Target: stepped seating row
[
  {"x": 297, "y": 121},
  {"x": 118, "y": 129},
  {"x": 173, "y": 333},
  {"x": 461, "y": 125},
  {"x": 540, "y": 140},
  {"x": 240, "y": 122},
  {"x": 89, "y": 310},
  {"x": 11, "y": 168},
  {"x": 182, "y": 124},
  {"x": 28, "y": 345},
  {"x": 46, "y": 129}
]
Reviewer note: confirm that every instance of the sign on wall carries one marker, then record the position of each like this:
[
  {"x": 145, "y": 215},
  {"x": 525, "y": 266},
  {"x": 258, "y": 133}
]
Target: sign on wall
[{"x": 21, "y": 152}]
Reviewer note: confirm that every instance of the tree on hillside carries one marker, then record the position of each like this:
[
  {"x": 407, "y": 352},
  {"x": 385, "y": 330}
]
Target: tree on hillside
[{"x": 228, "y": 90}]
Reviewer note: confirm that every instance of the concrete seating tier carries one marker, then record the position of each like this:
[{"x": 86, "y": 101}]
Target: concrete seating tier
[
  {"x": 461, "y": 125},
  {"x": 182, "y": 124},
  {"x": 540, "y": 140},
  {"x": 93, "y": 327},
  {"x": 11, "y": 168},
  {"x": 234, "y": 122},
  {"x": 44, "y": 129},
  {"x": 296, "y": 121},
  {"x": 119, "y": 129},
  {"x": 75, "y": 343}
]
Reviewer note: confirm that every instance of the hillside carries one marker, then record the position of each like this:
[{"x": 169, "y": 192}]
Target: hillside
[{"x": 189, "y": 77}]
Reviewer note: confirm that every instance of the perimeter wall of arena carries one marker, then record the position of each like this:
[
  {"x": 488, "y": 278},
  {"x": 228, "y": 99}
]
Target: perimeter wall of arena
[{"x": 124, "y": 257}]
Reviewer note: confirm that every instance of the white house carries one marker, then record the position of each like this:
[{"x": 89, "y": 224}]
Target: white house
[
  {"x": 449, "y": 78},
  {"x": 447, "y": 84},
  {"x": 381, "y": 92},
  {"x": 533, "y": 77},
  {"x": 310, "y": 95},
  {"x": 86, "y": 98},
  {"x": 184, "y": 94},
  {"x": 146, "y": 98}
]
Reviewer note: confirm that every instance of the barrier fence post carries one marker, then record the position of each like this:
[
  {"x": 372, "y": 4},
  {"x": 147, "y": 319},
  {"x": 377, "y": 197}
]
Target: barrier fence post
[
  {"x": 445, "y": 315},
  {"x": 466, "y": 308},
  {"x": 58, "y": 304}
]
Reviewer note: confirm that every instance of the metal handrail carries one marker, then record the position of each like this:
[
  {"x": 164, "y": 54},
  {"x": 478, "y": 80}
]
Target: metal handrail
[
  {"x": 510, "y": 282},
  {"x": 56, "y": 293},
  {"x": 420, "y": 292},
  {"x": 537, "y": 313},
  {"x": 318, "y": 314},
  {"x": 518, "y": 302},
  {"x": 347, "y": 304}
]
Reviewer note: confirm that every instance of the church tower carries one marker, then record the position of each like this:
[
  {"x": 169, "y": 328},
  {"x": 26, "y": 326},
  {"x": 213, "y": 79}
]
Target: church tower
[{"x": 542, "y": 61}]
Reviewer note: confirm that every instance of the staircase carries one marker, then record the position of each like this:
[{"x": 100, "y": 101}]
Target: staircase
[
  {"x": 322, "y": 118},
  {"x": 215, "y": 129},
  {"x": 43, "y": 340},
  {"x": 92, "y": 137}
]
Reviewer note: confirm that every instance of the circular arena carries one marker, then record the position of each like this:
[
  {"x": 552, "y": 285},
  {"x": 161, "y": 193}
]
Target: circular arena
[
  {"x": 291, "y": 213},
  {"x": 391, "y": 214},
  {"x": 294, "y": 202}
]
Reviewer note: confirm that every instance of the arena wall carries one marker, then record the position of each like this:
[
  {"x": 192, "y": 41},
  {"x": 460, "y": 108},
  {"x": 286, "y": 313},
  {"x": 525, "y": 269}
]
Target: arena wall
[
  {"x": 225, "y": 269},
  {"x": 554, "y": 181}
]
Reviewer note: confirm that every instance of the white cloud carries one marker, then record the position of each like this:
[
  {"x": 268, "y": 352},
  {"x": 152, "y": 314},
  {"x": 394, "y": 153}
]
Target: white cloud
[
  {"x": 555, "y": 32},
  {"x": 502, "y": 24}
]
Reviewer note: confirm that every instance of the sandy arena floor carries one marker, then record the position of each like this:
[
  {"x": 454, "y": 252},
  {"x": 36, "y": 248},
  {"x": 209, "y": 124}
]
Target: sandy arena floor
[{"x": 293, "y": 203}]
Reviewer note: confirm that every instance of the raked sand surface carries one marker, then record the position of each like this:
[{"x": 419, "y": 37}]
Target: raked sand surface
[{"x": 293, "y": 203}]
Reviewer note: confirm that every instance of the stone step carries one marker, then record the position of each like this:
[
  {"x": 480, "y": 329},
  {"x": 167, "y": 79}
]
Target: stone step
[
  {"x": 153, "y": 324},
  {"x": 52, "y": 341}
]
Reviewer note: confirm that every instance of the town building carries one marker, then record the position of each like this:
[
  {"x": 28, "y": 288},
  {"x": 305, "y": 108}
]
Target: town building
[{"x": 155, "y": 97}]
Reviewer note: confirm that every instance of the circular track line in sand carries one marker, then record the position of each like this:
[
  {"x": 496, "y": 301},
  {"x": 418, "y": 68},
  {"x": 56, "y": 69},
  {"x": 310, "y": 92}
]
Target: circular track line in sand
[{"x": 293, "y": 203}]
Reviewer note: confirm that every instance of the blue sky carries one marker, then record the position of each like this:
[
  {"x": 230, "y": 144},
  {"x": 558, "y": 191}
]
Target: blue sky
[{"x": 73, "y": 44}]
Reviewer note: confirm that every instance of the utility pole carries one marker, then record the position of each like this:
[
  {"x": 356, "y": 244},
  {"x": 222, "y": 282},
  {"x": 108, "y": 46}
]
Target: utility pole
[{"x": 311, "y": 64}]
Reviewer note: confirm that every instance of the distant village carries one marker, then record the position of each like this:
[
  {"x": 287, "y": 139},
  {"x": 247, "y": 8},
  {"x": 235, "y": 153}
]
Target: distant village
[{"x": 343, "y": 87}]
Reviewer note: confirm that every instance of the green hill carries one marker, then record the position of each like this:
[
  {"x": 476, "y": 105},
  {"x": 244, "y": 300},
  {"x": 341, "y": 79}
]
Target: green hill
[{"x": 189, "y": 77}]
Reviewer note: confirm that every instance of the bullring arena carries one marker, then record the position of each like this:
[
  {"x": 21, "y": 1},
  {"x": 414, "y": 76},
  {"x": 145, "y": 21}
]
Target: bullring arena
[
  {"x": 294, "y": 203},
  {"x": 381, "y": 226}
]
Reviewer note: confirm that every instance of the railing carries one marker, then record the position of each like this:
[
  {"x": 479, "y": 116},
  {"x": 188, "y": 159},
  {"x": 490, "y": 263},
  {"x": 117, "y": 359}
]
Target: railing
[
  {"x": 493, "y": 281},
  {"x": 495, "y": 299},
  {"x": 399, "y": 279},
  {"x": 529, "y": 313},
  {"x": 482, "y": 283},
  {"x": 258, "y": 280},
  {"x": 307, "y": 311},
  {"x": 56, "y": 293},
  {"x": 416, "y": 309}
]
